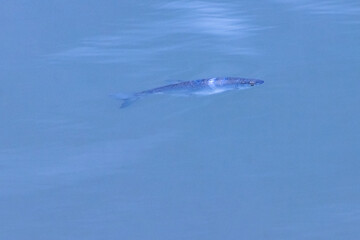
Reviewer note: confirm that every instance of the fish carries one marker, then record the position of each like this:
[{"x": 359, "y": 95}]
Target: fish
[{"x": 201, "y": 87}]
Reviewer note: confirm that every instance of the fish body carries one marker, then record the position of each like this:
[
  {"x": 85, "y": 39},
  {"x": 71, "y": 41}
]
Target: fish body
[{"x": 203, "y": 87}]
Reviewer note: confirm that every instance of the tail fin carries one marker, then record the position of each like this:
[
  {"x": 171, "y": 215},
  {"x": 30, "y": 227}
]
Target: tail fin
[{"x": 126, "y": 99}]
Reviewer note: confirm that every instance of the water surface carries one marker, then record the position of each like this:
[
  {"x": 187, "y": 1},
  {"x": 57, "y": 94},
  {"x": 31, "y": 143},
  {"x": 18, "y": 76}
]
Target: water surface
[{"x": 279, "y": 161}]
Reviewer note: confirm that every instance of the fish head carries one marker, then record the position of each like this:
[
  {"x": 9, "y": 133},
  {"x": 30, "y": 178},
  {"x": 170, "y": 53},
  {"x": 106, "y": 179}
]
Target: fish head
[
  {"x": 246, "y": 83},
  {"x": 255, "y": 82}
]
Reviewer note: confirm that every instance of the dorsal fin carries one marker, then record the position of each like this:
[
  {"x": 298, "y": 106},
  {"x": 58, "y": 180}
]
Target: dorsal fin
[{"x": 173, "y": 81}]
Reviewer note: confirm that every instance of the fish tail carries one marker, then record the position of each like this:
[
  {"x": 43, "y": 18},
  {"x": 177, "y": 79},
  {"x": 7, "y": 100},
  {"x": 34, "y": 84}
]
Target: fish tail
[{"x": 126, "y": 99}]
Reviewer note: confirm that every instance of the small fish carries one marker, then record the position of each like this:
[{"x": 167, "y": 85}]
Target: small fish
[{"x": 202, "y": 87}]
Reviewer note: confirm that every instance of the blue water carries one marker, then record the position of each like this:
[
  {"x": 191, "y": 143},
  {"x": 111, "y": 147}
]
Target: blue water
[{"x": 280, "y": 161}]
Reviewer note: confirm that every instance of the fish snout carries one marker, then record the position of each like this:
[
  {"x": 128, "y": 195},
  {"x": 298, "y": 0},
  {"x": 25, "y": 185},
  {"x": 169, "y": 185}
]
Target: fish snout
[{"x": 256, "y": 82}]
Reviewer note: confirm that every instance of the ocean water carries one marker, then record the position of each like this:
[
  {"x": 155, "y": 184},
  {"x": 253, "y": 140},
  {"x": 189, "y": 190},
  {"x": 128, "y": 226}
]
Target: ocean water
[{"x": 280, "y": 161}]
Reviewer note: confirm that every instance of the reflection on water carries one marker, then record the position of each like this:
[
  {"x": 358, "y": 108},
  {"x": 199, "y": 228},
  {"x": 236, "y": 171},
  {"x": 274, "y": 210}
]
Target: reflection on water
[
  {"x": 334, "y": 7},
  {"x": 219, "y": 20},
  {"x": 174, "y": 26}
]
